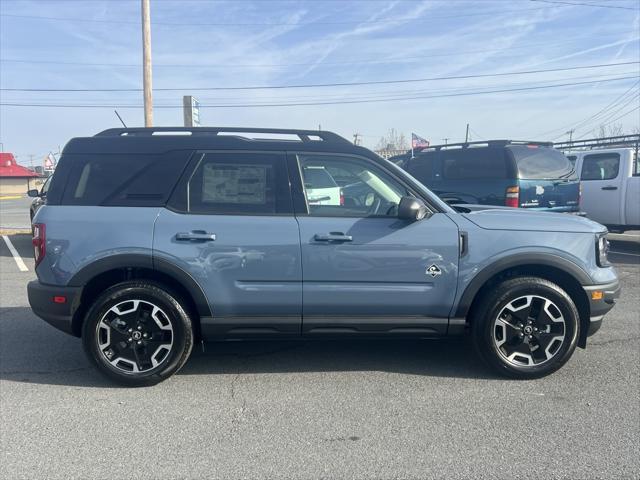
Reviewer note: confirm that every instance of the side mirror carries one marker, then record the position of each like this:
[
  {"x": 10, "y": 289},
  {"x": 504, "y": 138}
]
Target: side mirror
[
  {"x": 412, "y": 209},
  {"x": 33, "y": 193}
]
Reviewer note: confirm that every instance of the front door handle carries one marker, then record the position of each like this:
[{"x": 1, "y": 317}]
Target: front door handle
[
  {"x": 610, "y": 187},
  {"x": 332, "y": 237},
  {"x": 195, "y": 235}
]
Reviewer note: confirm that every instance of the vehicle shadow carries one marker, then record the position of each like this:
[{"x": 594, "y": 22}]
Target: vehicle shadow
[{"x": 33, "y": 352}]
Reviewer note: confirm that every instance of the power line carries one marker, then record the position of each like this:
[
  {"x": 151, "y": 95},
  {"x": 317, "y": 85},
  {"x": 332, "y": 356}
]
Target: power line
[
  {"x": 394, "y": 93},
  {"x": 303, "y": 64},
  {"x": 341, "y": 102},
  {"x": 580, "y": 4},
  {"x": 320, "y": 85},
  {"x": 267, "y": 24},
  {"x": 576, "y": 125},
  {"x": 628, "y": 112}
]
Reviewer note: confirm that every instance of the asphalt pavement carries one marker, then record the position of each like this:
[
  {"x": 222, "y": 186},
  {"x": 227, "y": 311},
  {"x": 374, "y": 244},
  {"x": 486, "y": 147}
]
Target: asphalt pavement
[{"x": 333, "y": 410}]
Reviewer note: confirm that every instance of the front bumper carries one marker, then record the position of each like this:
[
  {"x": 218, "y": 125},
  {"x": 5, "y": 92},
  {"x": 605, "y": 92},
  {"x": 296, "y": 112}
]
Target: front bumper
[
  {"x": 602, "y": 298},
  {"x": 58, "y": 314}
]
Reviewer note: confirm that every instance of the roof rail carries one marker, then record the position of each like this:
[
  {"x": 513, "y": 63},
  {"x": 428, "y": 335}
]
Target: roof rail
[
  {"x": 488, "y": 143},
  {"x": 303, "y": 135},
  {"x": 619, "y": 141}
]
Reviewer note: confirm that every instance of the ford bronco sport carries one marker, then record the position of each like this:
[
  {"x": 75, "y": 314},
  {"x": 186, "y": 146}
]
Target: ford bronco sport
[{"x": 153, "y": 239}]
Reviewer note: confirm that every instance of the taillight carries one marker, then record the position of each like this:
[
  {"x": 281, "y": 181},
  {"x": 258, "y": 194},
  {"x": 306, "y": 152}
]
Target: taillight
[
  {"x": 512, "y": 197},
  {"x": 39, "y": 242},
  {"x": 341, "y": 198}
]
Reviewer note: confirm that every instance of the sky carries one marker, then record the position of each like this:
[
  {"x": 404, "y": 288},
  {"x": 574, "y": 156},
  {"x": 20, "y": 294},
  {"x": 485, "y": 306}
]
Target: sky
[{"x": 205, "y": 44}]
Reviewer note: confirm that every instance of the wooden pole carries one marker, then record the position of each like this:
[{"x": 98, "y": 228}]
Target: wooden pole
[{"x": 146, "y": 64}]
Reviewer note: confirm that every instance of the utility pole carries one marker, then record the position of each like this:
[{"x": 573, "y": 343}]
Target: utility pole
[
  {"x": 356, "y": 138},
  {"x": 146, "y": 64},
  {"x": 446, "y": 140},
  {"x": 570, "y": 133},
  {"x": 466, "y": 137}
]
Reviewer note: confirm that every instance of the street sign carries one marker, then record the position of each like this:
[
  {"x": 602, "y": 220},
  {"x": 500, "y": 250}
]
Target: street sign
[{"x": 191, "y": 109}]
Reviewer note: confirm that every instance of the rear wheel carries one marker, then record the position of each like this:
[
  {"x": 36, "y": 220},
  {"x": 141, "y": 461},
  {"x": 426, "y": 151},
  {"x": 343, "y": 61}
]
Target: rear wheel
[
  {"x": 526, "y": 327},
  {"x": 137, "y": 333}
]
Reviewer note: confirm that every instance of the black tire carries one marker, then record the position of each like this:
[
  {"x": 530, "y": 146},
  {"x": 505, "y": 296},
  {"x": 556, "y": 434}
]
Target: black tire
[
  {"x": 168, "y": 332},
  {"x": 488, "y": 330}
]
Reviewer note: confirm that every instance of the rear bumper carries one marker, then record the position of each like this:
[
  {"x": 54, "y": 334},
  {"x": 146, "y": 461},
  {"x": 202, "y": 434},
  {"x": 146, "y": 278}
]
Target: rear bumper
[
  {"x": 599, "y": 307},
  {"x": 59, "y": 315}
]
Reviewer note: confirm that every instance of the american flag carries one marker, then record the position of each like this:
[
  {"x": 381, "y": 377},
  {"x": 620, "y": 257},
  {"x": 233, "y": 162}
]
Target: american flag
[{"x": 418, "y": 142}]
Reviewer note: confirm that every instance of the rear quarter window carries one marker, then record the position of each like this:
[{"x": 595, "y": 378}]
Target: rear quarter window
[
  {"x": 122, "y": 180},
  {"x": 539, "y": 163}
]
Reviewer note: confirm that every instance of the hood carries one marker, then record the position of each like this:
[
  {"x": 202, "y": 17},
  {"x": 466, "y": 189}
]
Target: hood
[{"x": 523, "y": 220}]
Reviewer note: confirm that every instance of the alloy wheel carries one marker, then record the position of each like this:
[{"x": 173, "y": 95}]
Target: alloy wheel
[
  {"x": 135, "y": 336},
  {"x": 529, "y": 331}
]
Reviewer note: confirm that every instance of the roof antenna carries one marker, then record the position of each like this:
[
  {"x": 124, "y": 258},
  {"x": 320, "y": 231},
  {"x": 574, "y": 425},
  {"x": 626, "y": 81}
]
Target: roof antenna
[{"x": 120, "y": 118}]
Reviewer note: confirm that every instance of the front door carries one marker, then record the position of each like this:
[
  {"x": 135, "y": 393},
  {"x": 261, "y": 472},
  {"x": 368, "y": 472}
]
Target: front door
[
  {"x": 364, "y": 270},
  {"x": 601, "y": 176},
  {"x": 231, "y": 227}
]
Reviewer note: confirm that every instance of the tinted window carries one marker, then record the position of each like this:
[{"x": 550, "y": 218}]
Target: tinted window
[
  {"x": 366, "y": 191},
  {"x": 421, "y": 167},
  {"x": 474, "y": 163},
  {"x": 535, "y": 162},
  {"x": 45, "y": 187},
  {"x": 602, "y": 166},
  {"x": 239, "y": 183},
  {"x": 123, "y": 180}
]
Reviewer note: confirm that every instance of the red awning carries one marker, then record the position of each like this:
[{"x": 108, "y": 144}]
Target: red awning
[{"x": 10, "y": 168}]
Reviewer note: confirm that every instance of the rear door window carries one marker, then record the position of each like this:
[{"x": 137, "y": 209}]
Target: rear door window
[
  {"x": 600, "y": 166},
  {"x": 474, "y": 164},
  {"x": 123, "y": 179},
  {"x": 539, "y": 163},
  {"x": 236, "y": 183}
]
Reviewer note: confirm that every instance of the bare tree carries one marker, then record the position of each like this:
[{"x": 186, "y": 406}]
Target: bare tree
[
  {"x": 393, "y": 141},
  {"x": 605, "y": 131}
]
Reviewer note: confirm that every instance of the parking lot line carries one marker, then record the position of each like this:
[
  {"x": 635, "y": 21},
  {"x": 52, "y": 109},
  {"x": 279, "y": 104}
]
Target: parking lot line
[{"x": 16, "y": 256}]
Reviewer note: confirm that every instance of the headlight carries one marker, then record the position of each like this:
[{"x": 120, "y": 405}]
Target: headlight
[{"x": 602, "y": 250}]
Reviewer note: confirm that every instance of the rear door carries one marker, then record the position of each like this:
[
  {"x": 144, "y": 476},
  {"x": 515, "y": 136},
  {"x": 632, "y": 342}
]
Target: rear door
[
  {"x": 231, "y": 227},
  {"x": 602, "y": 177},
  {"x": 547, "y": 178},
  {"x": 364, "y": 270}
]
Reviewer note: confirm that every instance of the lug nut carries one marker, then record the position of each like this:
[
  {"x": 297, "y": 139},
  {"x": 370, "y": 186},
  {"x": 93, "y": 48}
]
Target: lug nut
[
  {"x": 130, "y": 330},
  {"x": 139, "y": 342},
  {"x": 145, "y": 335},
  {"x": 530, "y": 337},
  {"x": 139, "y": 327},
  {"x": 130, "y": 339}
]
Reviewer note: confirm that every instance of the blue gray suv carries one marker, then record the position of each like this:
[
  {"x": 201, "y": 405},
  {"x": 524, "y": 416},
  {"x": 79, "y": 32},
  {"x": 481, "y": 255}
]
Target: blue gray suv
[{"x": 154, "y": 239}]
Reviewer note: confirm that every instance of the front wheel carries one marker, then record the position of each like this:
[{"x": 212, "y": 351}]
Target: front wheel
[
  {"x": 137, "y": 333},
  {"x": 526, "y": 327}
]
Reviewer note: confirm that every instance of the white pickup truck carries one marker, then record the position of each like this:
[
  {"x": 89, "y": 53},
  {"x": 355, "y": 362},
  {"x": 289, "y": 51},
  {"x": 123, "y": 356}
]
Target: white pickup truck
[{"x": 610, "y": 181}]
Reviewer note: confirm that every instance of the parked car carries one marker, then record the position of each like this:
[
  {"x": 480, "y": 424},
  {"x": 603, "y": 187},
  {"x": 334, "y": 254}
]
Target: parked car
[
  {"x": 149, "y": 243},
  {"x": 320, "y": 187},
  {"x": 610, "y": 186},
  {"x": 529, "y": 175},
  {"x": 39, "y": 197}
]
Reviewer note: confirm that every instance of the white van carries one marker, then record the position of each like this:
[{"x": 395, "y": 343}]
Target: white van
[{"x": 610, "y": 186}]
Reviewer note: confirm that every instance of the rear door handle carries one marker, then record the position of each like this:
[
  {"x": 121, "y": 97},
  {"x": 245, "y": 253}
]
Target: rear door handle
[
  {"x": 332, "y": 237},
  {"x": 609, "y": 187},
  {"x": 195, "y": 235}
]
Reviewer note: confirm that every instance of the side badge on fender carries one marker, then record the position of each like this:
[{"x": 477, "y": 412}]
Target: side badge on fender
[{"x": 433, "y": 270}]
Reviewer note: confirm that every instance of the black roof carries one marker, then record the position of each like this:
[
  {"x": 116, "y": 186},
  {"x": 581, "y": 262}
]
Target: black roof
[
  {"x": 486, "y": 143},
  {"x": 163, "y": 139}
]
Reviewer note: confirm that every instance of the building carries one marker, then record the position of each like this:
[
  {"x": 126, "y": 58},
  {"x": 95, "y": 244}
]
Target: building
[{"x": 15, "y": 179}]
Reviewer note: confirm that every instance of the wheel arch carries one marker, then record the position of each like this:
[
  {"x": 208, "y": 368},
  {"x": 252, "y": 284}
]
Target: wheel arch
[
  {"x": 567, "y": 275},
  {"x": 103, "y": 273}
]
